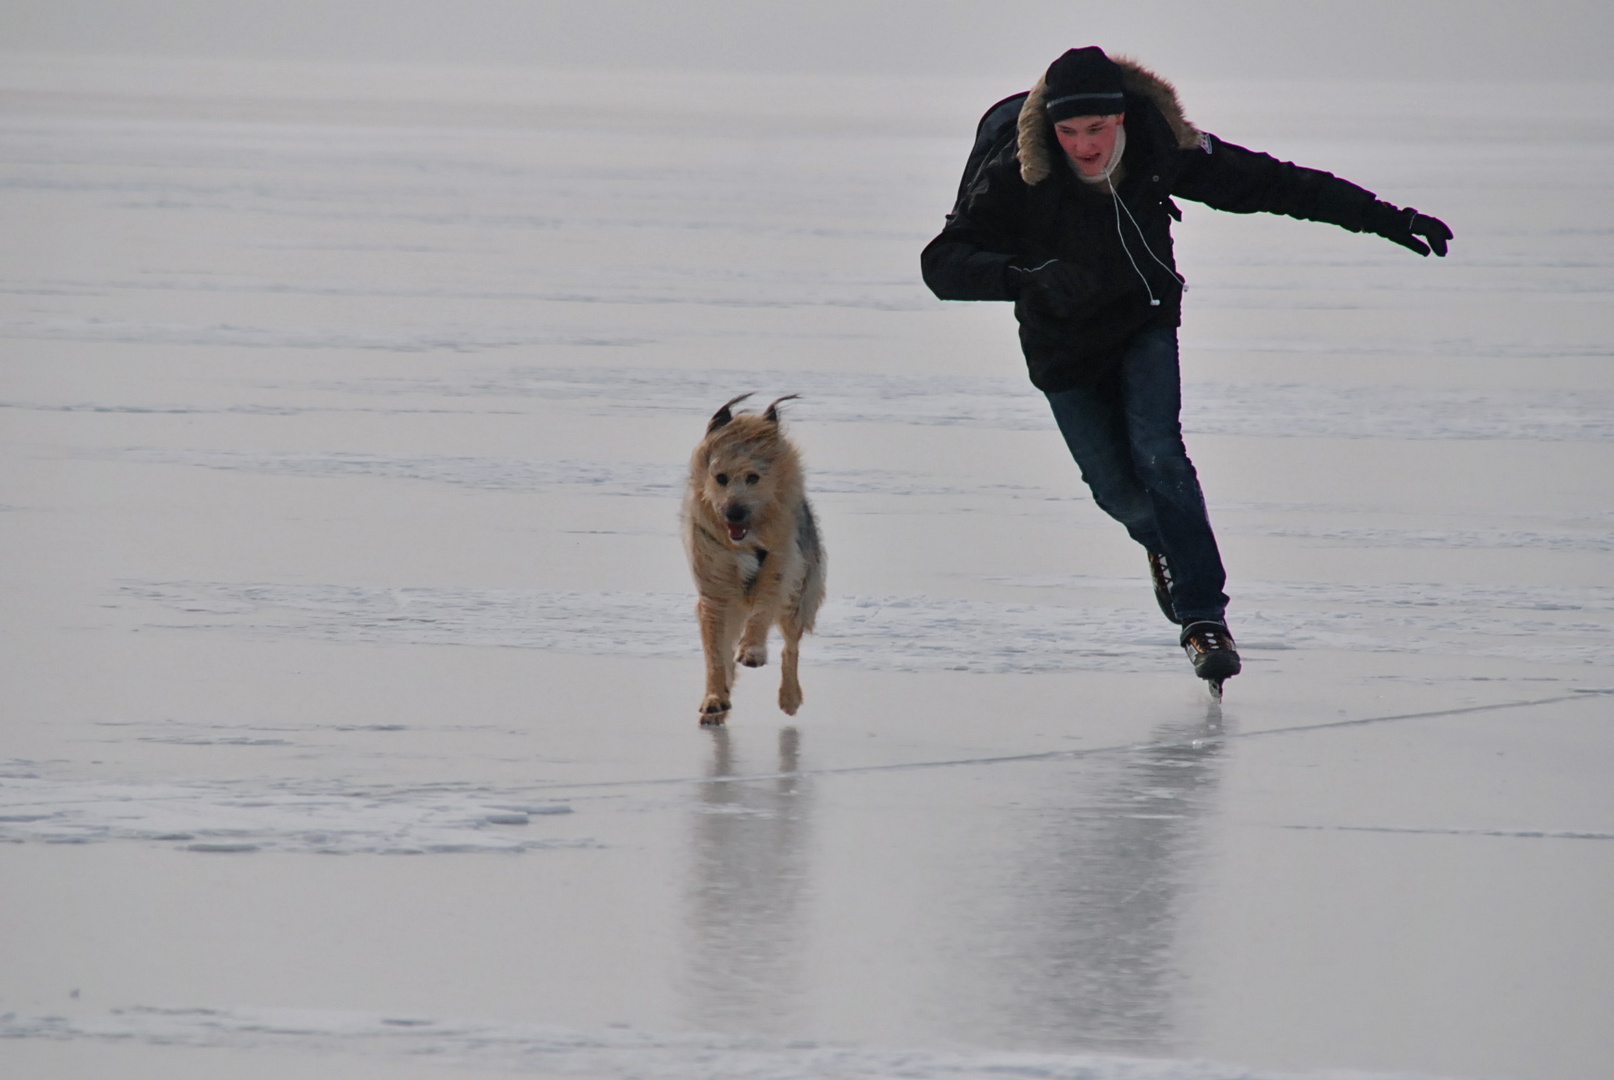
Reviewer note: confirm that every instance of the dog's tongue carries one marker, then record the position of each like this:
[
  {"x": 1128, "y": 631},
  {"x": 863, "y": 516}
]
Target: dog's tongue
[{"x": 737, "y": 532}]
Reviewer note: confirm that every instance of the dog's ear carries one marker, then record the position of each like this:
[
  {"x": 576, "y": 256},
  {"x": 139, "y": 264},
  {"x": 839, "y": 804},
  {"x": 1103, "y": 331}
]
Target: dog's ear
[
  {"x": 723, "y": 416},
  {"x": 773, "y": 410}
]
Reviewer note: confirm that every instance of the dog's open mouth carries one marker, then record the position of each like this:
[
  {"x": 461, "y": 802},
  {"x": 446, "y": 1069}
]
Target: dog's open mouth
[{"x": 738, "y": 532}]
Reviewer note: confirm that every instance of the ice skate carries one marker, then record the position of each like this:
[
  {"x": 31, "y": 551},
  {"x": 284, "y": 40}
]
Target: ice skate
[
  {"x": 1160, "y": 571},
  {"x": 1210, "y": 648}
]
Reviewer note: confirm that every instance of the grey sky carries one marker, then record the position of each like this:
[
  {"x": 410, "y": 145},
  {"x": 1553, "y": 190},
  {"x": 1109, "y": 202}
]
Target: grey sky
[{"x": 1378, "y": 39}]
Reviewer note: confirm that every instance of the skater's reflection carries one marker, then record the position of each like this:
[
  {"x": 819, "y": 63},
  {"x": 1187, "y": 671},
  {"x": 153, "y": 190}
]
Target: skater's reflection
[
  {"x": 1104, "y": 897},
  {"x": 747, "y": 892}
]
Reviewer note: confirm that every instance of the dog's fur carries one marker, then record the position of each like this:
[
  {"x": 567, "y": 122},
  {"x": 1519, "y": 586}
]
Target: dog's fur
[{"x": 753, "y": 548}]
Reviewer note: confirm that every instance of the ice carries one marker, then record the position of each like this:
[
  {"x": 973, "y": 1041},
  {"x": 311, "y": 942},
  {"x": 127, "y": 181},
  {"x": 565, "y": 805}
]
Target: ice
[{"x": 351, "y": 674}]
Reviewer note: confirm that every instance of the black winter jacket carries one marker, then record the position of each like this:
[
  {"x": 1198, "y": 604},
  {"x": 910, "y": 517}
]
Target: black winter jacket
[{"x": 1027, "y": 206}]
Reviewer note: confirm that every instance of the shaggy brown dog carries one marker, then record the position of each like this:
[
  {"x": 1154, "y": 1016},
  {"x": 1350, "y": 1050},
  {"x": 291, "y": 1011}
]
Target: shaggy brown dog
[{"x": 753, "y": 548}]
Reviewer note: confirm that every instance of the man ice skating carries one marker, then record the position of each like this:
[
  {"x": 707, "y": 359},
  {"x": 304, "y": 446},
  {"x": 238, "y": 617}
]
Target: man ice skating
[{"x": 1068, "y": 214}]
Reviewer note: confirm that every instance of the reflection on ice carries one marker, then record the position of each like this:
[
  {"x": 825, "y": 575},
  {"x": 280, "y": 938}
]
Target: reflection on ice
[
  {"x": 1083, "y": 950},
  {"x": 1099, "y": 900},
  {"x": 747, "y": 892}
]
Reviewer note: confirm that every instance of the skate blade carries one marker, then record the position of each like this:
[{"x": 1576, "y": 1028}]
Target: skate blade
[{"x": 1215, "y": 688}]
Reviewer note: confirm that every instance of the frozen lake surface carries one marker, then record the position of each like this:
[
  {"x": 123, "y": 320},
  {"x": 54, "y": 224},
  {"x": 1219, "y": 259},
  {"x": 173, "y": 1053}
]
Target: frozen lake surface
[{"x": 349, "y": 659}]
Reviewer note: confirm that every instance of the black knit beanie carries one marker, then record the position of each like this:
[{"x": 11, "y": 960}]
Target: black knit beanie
[{"x": 1083, "y": 82}]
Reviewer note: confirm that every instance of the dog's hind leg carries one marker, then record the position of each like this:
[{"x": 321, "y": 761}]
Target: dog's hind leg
[
  {"x": 790, "y": 629},
  {"x": 718, "y": 631},
  {"x": 801, "y": 612}
]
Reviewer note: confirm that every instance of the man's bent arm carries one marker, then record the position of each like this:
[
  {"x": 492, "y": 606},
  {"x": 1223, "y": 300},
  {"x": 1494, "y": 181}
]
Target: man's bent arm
[{"x": 955, "y": 268}]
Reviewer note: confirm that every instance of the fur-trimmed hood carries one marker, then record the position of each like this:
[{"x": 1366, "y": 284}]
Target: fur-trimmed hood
[{"x": 1036, "y": 149}]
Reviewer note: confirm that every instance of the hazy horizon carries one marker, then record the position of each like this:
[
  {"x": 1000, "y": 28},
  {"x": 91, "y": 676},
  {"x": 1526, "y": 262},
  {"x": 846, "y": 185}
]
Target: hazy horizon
[{"x": 1377, "y": 39}]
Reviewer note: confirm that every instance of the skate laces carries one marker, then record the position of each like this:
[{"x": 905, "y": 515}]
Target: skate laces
[{"x": 1207, "y": 636}]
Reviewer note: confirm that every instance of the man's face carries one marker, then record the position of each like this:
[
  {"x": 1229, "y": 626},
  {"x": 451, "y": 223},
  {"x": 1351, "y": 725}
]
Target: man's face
[{"x": 1088, "y": 141}]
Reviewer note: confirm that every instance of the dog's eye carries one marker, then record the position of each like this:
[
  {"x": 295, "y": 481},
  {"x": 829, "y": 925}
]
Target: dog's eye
[
  {"x": 752, "y": 478},
  {"x": 722, "y": 479}
]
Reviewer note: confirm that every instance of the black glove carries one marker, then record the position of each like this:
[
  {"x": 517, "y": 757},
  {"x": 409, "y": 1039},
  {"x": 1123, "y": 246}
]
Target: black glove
[
  {"x": 1059, "y": 288},
  {"x": 1405, "y": 226}
]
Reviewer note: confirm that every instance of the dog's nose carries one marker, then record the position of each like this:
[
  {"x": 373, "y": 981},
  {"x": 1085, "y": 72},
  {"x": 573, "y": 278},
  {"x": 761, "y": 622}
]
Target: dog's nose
[{"x": 735, "y": 514}]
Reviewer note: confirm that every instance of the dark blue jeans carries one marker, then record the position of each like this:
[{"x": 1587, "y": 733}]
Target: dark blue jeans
[{"x": 1126, "y": 436}]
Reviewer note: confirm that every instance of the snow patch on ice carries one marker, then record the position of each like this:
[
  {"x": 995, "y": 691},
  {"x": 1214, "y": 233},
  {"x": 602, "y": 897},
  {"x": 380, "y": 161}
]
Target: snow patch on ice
[
  {"x": 1251, "y": 409},
  {"x": 616, "y": 1051},
  {"x": 528, "y": 475},
  {"x": 654, "y": 480},
  {"x": 1356, "y": 536},
  {"x": 1004, "y": 402},
  {"x": 458, "y": 339},
  {"x": 927, "y": 633},
  {"x": 216, "y": 816},
  {"x": 1510, "y": 834},
  {"x": 1587, "y": 598}
]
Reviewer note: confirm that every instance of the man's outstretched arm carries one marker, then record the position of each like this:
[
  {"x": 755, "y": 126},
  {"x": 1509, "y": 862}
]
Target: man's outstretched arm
[{"x": 1229, "y": 177}]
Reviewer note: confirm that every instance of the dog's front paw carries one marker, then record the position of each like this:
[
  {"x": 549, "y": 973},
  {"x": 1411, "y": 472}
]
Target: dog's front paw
[
  {"x": 752, "y": 655},
  {"x": 714, "y": 710},
  {"x": 790, "y": 699}
]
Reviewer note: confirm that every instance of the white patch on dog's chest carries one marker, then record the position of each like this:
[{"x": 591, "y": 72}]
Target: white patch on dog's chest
[{"x": 747, "y": 563}]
